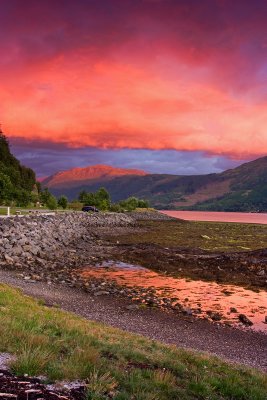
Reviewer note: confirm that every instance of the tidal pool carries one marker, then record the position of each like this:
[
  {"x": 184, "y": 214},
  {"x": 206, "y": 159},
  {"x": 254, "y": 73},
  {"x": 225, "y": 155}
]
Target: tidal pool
[{"x": 197, "y": 296}]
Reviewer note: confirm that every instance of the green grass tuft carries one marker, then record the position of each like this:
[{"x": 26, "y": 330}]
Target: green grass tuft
[{"x": 117, "y": 364}]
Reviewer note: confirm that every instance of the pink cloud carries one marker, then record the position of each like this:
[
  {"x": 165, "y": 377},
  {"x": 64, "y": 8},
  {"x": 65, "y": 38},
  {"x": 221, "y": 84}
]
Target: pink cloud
[{"x": 159, "y": 75}]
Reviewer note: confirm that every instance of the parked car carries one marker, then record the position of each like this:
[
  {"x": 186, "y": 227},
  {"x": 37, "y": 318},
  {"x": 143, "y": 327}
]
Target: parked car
[{"x": 90, "y": 208}]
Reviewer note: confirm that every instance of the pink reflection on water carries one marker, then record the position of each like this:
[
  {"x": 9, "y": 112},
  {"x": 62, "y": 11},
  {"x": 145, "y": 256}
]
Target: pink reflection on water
[
  {"x": 250, "y": 218},
  {"x": 194, "y": 294}
]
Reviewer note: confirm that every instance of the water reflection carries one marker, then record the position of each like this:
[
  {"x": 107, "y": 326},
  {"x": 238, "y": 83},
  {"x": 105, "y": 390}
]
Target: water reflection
[
  {"x": 202, "y": 298},
  {"x": 219, "y": 216}
]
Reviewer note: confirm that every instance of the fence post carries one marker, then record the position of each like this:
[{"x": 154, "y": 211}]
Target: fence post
[{"x": 8, "y": 211}]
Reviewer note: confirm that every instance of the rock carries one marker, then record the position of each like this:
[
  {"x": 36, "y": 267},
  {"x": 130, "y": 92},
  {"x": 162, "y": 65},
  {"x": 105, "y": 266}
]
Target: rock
[
  {"x": 245, "y": 320},
  {"x": 101, "y": 293},
  {"x": 132, "y": 307},
  {"x": 187, "y": 311},
  {"x": 40, "y": 261},
  {"x": 205, "y": 237},
  {"x": 8, "y": 258},
  {"x": 215, "y": 316},
  {"x": 233, "y": 310},
  {"x": 36, "y": 277},
  {"x": 150, "y": 302},
  {"x": 17, "y": 250}
]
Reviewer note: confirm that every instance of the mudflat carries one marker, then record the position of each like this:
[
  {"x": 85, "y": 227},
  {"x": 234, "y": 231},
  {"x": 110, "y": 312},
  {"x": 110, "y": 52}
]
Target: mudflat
[{"x": 222, "y": 252}]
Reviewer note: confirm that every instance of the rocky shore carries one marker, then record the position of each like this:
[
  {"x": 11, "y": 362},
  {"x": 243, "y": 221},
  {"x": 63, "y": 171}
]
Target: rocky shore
[
  {"x": 46, "y": 254},
  {"x": 53, "y": 249},
  {"x": 32, "y": 239}
]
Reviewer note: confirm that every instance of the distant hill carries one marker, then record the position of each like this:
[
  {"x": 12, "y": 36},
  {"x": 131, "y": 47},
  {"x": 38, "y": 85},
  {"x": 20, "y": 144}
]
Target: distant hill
[
  {"x": 16, "y": 181},
  {"x": 241, "y": 189},
  {"x": 81, "y": 176}
]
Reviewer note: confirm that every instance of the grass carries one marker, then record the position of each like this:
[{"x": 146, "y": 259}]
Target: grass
[
  {"x": 211, "y": 236},
  {"x": 26, "y": 210},
  {"x": 22, "y": 210},
  {"x": 118, "y": 365}
]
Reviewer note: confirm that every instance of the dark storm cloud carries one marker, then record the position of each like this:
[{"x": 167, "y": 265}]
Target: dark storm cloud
[{"x": 47, "y": 159}]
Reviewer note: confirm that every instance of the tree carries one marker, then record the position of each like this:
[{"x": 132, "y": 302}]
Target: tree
[
  {"x": 82, "y": 196},
  {"x": 23, "y": 197},
  {"x": 90, "y": 199},
  {"x": 48, "y": 199},
  {"x": 6, "y": 188},
  {"x": 45, "y": 196},
  {"x": 103, "y": 194},
  {"x": 129, "y": 204},
  {"x": 16, "y": 181},
  {"x": 99, "y": 199},
  {"x": 52, "y": 203},
  {"x": 102, "y": 198},
  {"x": 63, "y": 202},
  {"x": 143, "y": 204}
]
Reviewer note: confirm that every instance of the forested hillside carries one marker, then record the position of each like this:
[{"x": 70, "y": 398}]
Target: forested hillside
[
  {"x": 241, "y": 189},
  {"x": 247, "y": 189},
  {"x": 17, "y": 183}
]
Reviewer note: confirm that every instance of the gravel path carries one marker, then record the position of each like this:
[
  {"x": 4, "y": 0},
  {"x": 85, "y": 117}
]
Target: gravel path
[{"x": 244, "y": 347}]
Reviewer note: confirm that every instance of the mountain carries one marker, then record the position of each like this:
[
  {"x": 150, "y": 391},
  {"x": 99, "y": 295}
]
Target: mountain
[
  {"x": 240, "y": 189},
  {"x": 16, "y": 181},
  {"x": 81, "y": 176},
  {"x": 247, "y": 189}
]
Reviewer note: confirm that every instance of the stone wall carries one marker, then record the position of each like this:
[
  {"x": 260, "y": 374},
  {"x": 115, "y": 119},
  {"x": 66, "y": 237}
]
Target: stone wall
[{"x": 28, "y": 237}]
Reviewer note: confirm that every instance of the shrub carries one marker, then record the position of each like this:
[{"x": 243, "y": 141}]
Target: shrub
[{"x": 63, "y": 202}]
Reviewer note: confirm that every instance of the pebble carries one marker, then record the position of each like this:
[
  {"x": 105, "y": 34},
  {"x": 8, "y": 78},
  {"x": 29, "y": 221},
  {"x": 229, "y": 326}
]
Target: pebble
[{"x": 245, "y": 320}]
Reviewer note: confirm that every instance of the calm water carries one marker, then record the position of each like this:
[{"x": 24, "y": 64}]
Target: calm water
[
  {"x": 199, "y": 296},
  {"x": 252, "y": 218}
]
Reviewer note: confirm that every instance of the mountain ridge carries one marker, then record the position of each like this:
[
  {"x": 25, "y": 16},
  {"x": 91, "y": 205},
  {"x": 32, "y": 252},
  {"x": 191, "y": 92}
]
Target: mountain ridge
[
  {"x": 243, "y": 188},
  {"x": 91, "y": 172}
]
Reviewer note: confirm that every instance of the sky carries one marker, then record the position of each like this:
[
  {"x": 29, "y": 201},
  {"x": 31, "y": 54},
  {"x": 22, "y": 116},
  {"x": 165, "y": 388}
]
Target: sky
[{"x": 176, "y": 86}]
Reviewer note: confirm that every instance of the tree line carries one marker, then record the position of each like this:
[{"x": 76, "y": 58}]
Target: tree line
[
  {"x": 101, "y": 199},
  {"x": 19, "y": 188},
  {"x": 17, "y": 183}
]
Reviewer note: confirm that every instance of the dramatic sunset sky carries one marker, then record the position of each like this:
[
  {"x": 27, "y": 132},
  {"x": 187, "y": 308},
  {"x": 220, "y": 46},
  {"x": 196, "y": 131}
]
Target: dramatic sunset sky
[{"x": 176, "y": 86}]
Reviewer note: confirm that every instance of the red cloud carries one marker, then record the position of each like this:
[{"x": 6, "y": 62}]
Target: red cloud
[{"x": 157, "y": 75}]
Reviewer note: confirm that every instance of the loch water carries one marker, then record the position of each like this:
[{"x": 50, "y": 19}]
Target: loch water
[
  {"x": 199, "y": 296},
  {"x": 249, "y": 218}
]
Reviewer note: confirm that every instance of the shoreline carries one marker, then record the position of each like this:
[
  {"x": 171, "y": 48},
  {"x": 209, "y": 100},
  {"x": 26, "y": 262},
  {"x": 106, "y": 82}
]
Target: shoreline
[
  {"x": 230, "y": 344},
  {"x": 54, "y": 278}
]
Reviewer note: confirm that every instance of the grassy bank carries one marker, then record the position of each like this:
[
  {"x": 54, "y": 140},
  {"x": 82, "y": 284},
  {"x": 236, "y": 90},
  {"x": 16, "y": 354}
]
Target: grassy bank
[
  {"x": 62, "y": 346},
  {"x": 212, "y": 236}
]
